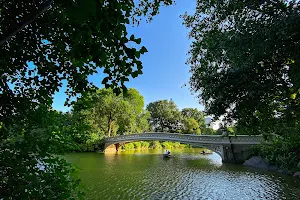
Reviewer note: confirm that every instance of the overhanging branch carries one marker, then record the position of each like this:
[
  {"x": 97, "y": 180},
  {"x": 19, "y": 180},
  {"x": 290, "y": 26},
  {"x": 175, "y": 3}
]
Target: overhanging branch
[{"x": 27, "y": 20}]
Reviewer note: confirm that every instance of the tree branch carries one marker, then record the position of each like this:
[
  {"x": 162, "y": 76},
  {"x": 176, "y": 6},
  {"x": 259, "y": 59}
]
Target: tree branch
[{"x": 27, "y": 20}]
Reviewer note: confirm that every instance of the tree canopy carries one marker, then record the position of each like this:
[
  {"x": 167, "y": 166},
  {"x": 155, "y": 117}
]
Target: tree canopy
[
  {"x": 165, "y": 116},
  {"x": 196, "y": 114},
  {"x": 244, "y": 62},
  {"x": 108, "y": 113},
  {"x": 46, "y": 42},
  {"x": 29, "y": 166},
  {"x": 190, "y": 126}
]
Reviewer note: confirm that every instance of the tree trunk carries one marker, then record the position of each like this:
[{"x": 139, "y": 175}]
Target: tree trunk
[
  {"x": 109, "y": 129},
  {"x": 27, "y": 20},
  {"x": 110, "y": 121}
]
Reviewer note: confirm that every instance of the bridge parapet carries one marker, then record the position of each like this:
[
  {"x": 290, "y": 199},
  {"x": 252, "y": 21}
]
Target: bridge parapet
[
  {"x": 246, "y": 139},
  {"x": 207, "y": 139}
]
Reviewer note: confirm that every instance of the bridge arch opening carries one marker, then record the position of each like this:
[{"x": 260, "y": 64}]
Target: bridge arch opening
[
  {"x": 152, "y": 144},
  {"x": 115, "y": 147},
  {"x": 210, "y": 152}
]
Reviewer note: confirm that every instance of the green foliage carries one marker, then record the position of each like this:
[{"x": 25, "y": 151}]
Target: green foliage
[
  {"x": 196, "y": 114},
  {"x": 283, "y": 152},
  {"x": 227, "y": 131},
  {"x": 109, "y": 114},
  {"x": 190, "y": 126},
  {"x": 155, "y": 145},
  {"x": 71, "y": 40},
  {"x": 80, "y": 132},
  {"x": 28, "y": 165},
  {"x": 245, "y": 62},
  {"x": 93, "y": 143},
  {"x": 220, "y": 131},
  {"x": 45, "y": 43},
  {"x": 142, "y": 124},
  {"x": 137, "y": 145},
  {"x": 178, "y": 145},
  {"x": 186, "y": 146},
  {"x": 104, "y": 113},
  {"x": 128, "y": 146},
  {"x": 152, "y": 145},
  {"x": 245, "y": 59},
  {"x": 145, "y": 145},
  {"x": 193, "y": 121},
  {"x": 171, "y": 145},
  {"x": 208, "y": 131},
  {"x": 165, "y": 116},
  {"x": 231, "y": 130},
  {"x": 27, "y": 180},
  {"x": 166, "y": 145}
]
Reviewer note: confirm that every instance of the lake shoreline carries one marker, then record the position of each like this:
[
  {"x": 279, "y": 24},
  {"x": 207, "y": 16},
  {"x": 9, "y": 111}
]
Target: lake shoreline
[{"x": 260, "y": 163}]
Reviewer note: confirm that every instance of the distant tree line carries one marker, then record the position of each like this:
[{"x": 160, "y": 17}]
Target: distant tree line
[{"x": 102, "y": 113}]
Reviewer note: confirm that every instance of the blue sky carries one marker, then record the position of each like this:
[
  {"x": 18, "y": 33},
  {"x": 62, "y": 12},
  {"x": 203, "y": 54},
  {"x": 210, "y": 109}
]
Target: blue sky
[{"x": 165, "y": 71}]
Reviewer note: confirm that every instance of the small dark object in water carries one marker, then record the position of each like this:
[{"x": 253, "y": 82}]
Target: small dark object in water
[
  {"x": 167, "y": 156},
  {"x": 203, "y": 152}
]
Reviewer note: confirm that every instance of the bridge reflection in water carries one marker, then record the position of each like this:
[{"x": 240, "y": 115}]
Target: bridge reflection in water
[{"x": 234, "y": 149}]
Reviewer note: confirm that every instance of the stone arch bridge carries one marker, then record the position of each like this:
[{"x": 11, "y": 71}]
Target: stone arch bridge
[{"x": 234, "y": 149}]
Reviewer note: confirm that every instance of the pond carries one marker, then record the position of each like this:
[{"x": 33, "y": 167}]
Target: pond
[{"x": 145, "y": 174}]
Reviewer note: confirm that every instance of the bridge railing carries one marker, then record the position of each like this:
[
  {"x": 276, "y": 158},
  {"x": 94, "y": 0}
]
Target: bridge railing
[{"x": 186, "y": 138}]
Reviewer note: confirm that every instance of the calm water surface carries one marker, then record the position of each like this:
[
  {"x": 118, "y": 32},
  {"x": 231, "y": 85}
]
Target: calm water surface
[{"x": 188, "y": 175}]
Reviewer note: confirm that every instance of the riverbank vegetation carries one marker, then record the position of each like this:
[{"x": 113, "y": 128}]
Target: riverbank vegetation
[
  {"x": 244, "y": 60},
  {"x": 153, "y": 145},
  {"x": 282, "y": 151}
]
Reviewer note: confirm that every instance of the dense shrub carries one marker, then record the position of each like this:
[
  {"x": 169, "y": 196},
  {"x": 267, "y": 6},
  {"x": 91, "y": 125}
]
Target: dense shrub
[
  {"x": 128, "y": 146},
  {"x": 283, "y": 152},
  {"x": 137, "y": 145},
  {"x": 145, "y": 145},
  {"x": 166, "y": 145},
  {"x": 94, "y": 143},
  {"x": 177, "y": 145},
  {"x": 172, "y": 145},
  {"x": 155, "y": 145}
]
